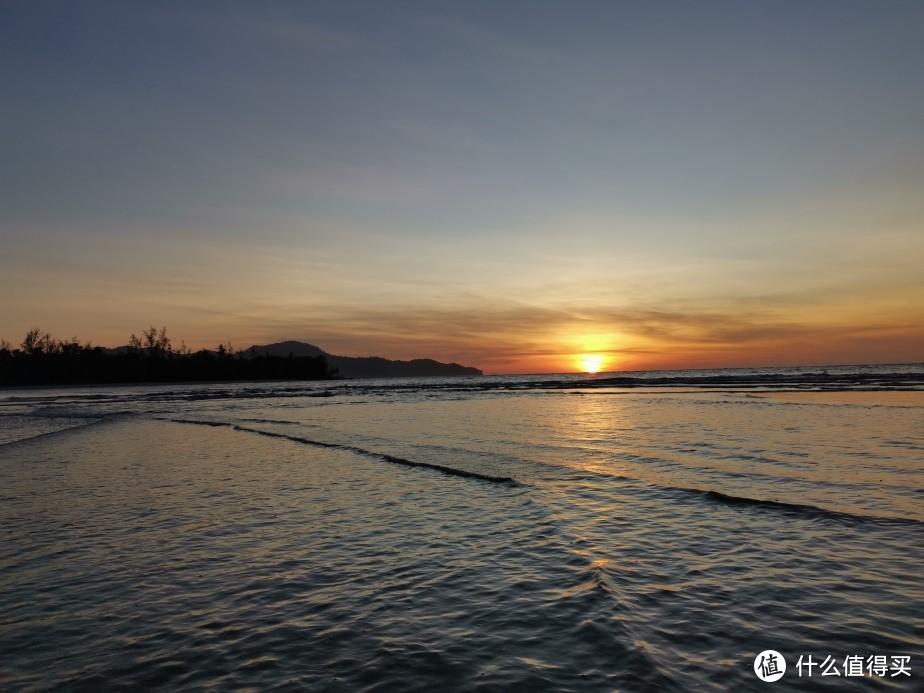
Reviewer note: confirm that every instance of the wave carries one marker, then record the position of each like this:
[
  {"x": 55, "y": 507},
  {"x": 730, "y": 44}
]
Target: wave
[
  {"x": 897, "y": 377},
  {"x": 821, "y": 381},
  {"x": 56, "y": 413},
  {"x": 89, "y": 421},
  {"x": 452, "y": 471},
  {"x": 802, "y": 509},
  {"x": 274, "y": 421}
]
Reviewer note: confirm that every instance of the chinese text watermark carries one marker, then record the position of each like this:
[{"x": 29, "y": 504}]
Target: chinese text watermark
[{"x": 770, "y": 666}]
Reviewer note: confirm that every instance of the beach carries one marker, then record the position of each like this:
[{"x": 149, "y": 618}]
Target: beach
[
  {"x": 451, "y": 346},
  {"x": 406, "y": 535}
]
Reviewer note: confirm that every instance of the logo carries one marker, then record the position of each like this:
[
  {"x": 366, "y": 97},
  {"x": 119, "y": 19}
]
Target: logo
[{"x": 769, "y": 665}]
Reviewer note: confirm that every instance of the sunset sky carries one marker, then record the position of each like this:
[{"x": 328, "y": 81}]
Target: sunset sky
[{"x": 505, "y": 184}]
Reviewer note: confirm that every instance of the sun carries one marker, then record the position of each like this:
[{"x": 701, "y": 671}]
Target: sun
[{"x": 591, "y": 363}]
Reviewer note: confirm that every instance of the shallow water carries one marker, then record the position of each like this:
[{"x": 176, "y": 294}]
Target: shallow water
[{"x": 643, "y": 539}]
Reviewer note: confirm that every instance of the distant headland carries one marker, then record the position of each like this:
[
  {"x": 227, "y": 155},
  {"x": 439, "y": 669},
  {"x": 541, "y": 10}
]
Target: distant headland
[
  {"x": 364, "y": 366},
  {"x": 43, "y": 360}
]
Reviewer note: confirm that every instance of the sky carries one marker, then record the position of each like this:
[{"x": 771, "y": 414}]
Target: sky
[{"x": 508, "y": 184}]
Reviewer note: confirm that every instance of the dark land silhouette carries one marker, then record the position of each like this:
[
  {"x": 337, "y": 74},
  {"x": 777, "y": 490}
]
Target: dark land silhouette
[
  {"x": 43, "y": 360},
  {"x": 365, "y": 366}
]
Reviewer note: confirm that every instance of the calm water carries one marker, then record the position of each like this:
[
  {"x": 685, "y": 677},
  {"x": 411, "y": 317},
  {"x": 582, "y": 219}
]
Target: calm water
[{"x": 528, "y": 533}]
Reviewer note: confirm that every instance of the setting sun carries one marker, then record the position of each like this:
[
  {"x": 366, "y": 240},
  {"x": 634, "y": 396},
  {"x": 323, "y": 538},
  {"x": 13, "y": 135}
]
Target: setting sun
[{"x": 591, "y": 363}]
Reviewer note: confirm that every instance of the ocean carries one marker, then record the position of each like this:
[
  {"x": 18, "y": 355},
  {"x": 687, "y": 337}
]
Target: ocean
[{"x": 646, "y": 531}]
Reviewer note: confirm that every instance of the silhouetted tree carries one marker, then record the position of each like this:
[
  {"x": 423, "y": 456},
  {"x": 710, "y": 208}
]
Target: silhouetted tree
[
  {"x": 38, "y": 342},
  {"x": 41, "y": 360}
]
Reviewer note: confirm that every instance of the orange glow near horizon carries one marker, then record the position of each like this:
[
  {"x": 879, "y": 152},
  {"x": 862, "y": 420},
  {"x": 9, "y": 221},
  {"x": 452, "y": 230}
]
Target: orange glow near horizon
[
  {"x": 591, "y": 363},
  {"x": 503, "y": 337}
]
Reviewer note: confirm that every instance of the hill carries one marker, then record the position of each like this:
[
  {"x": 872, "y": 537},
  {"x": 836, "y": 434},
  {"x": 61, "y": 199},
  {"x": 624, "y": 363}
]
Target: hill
[
  {"x": 364, "y": 366},
  {"x": 287, "y": 348}
]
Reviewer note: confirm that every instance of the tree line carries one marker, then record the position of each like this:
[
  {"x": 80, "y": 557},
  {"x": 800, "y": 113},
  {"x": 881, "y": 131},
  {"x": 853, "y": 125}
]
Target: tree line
[{"x": 43, "y": 360}]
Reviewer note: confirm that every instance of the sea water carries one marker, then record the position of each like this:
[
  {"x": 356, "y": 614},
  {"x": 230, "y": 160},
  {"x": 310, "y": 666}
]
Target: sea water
[{"x": 531, "y": 533}]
